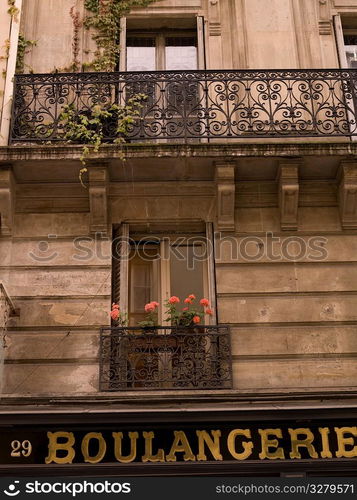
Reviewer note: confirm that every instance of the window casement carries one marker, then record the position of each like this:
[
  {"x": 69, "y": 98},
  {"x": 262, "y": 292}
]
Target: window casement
[
  {"x": 171, "y": 109},
  {"x": 149, "y": 267},
  {"x": 350, "y": 42},
  {"x": 161, "y": 51},
  {"x": 346, "y": 38},
  {"x": 170, "y": 44}
]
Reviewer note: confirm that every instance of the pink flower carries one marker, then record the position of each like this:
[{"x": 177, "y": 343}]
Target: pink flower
[
  {"x": 192, "y": 297},
  {"x": 196, "y": 319},
  {"x": 156, "y": 304},
  {"x": 204, "y": 302},
  {"x": 150, "y": 307},
  {"x": 188, "y": 301},
  {"x": 114, "y": 314},
  {"x": 115, "y": 306},
  {"x": 209, "y": 312},
  {"x": 174, "y": 300},
  {"x": 185, "y": 309}
]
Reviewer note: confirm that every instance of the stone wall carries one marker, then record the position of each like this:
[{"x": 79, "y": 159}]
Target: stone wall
[
  {"x": 238, "y": 34},
  {"x": 289, "y": 296}
]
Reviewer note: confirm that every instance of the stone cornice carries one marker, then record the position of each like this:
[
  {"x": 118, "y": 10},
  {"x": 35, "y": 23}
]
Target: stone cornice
[{"x": 36, "y": 152}]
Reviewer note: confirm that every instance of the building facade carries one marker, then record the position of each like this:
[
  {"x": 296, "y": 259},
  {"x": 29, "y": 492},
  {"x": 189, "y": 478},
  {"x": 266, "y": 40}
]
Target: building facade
[{"x": 235, "y": 180}]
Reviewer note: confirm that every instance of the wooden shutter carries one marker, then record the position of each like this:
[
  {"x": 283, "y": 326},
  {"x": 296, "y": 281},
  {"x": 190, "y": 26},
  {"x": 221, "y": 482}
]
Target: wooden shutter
[
  {"x": 211, "y": 272},
  {"x": 120, "y": 253}
]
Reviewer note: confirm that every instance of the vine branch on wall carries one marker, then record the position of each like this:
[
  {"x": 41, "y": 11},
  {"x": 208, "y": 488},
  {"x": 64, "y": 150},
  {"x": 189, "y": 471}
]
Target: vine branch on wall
[
  {"x": 77, "y": 24},
  {"x": 103, "y": 20}
]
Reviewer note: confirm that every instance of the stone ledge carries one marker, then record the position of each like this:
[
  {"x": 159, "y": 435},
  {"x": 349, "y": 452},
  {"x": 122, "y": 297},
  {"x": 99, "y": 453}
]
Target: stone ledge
[
  {"x": 229, "y": 151},
  {"x": 174, "y": 400}
]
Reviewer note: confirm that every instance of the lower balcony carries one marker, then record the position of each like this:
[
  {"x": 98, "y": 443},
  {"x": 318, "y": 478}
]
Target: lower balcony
[
  {"x": 165, "y": 358},
  {"x": 190, "y": 106}
]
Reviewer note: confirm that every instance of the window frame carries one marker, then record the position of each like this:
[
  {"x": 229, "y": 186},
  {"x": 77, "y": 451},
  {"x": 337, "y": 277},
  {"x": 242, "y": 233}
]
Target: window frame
[
  {"x": 120, "y": 269},
  {"x": 198, "y": 32}
]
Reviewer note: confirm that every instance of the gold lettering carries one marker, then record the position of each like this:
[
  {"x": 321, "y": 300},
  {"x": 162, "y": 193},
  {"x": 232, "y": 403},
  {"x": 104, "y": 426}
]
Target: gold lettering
[
  {"x": 180, "y": 444},
  {"x": 267, "y": 443},
  {"x": 118, "y": 438},
  {"x": 54, "y": 446},
  {"x": 149, "y": 457},
  {"x": 342, "y": 441},
  {"x": 326, "y": 452},
  {"x": 247, "y": 445},
  {"x": 213, "y": 444},
  {"x": 102, "y": 447},
  {"x": 297, "y": 443}
]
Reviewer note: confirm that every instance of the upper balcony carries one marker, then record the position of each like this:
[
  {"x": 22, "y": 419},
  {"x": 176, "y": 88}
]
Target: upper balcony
[{"x": 192, "y": 106}]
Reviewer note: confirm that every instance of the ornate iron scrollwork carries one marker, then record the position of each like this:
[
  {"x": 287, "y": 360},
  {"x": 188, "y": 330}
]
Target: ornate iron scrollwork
[
  {"x": 194, "y": 105},
  {"x": 165, "y": 358}
]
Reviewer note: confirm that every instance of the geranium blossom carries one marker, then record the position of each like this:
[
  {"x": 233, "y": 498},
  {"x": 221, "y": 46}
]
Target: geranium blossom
[
  {"x": 204, "y": 302},
  {"x": 174, "y": 300},
  {"x": 114, "y": 314},
  {"x": 150, "y": 307}
]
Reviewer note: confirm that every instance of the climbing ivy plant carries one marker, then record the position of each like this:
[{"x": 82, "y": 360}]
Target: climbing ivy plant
[
  {"x": 23, "y": 48},
  {"x": 89, "y": 127},
  {"x": 103, "y": 18}
]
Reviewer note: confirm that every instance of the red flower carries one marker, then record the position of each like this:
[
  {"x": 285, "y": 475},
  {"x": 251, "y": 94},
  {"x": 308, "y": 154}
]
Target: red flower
[
  {"x": 204, "y": 302},
  {"x": 192, "y": 297},
  {"x": 196, "y": 319},
  {"x": 209, "y": 312},
  {"x": 115, "y": 306},
  {"x": 174, "y": 300},
  {"x": 185, "y": 308},
  {"x": 150, "y": 307},
  {"x": 114, "y": 314},
  {"x": 188, "y": 301}
]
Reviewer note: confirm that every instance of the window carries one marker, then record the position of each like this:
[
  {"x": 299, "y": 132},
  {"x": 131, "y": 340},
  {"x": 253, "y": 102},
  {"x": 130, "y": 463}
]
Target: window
[
  {"x": 159, "y": 266},
  {"x": 350, "y": 42},
  {"x": 175, "y": 267},
  {"x": 161, "y": 51},
  {"x": 153, "y": 266},
  {"x": 346, "y": 37},
  {"x": 172, "y": 106}
]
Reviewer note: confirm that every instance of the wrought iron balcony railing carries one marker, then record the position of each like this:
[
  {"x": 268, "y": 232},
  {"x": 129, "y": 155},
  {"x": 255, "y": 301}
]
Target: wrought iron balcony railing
[
  {"x": 165, "y": 358},
  {"x": 190, "y": 106}
]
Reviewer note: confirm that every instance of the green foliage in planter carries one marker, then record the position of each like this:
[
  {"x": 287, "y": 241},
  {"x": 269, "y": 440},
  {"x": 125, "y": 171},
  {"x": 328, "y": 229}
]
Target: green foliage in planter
[
  {"x": 88, "y": 128},
  {"x": 104, "y": 20}
]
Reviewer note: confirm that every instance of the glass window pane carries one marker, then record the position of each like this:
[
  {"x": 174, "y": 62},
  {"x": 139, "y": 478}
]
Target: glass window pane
[
  {"x": 186, "y": 271},
  {"x": 181, "y": 53},
  {"x": 351, "y": 55},
  {"x": 143, "y": 281},
  {"x": 140, "y": 54}
]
